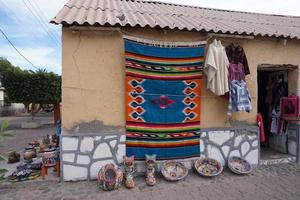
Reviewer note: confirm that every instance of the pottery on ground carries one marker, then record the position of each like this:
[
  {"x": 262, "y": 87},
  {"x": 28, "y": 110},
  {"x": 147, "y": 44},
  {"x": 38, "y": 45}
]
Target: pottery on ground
[
  {"x": 208, "y": 167},
  {"x": 29, "y": 153},
  {"x": 150, "y": 169},
  {"x": 110, "y": 177},
  {"x": 239, "y": 165},
  {"x": 174, "y": 171}
]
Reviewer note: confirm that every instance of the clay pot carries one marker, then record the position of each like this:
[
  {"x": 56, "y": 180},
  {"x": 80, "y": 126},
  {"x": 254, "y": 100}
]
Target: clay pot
[
  {"x": 13, "y": 157},
  {"x": 29, "y": 153}
]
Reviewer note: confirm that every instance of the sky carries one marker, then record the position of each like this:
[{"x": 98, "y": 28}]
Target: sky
[{"x": 26, "y": 24}]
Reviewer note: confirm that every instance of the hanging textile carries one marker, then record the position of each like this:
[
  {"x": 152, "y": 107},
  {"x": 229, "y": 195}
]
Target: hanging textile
[
  {"x": 236, "y": 55},
  {"x": 260, "y": 124},
  {"x": 239, "y": 97},
  {"x": 216, "y": 68},
  {"x": 163, "y": 88}
]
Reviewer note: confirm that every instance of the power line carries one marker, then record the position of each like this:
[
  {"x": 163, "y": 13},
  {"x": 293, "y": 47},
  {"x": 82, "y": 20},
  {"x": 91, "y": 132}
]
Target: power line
[
  {"x": 43, "y": 16},
  {"x": 18, "y": 50},
  {"x": 40, "y": 22}
]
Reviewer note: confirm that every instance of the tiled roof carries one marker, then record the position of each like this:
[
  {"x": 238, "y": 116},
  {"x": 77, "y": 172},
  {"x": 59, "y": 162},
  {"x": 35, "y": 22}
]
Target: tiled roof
[{"x": 173, "y": 16}]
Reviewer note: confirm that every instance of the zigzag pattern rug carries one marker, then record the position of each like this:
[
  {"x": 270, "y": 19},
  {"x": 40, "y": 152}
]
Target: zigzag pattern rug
[{"x": 163, "y": 104}]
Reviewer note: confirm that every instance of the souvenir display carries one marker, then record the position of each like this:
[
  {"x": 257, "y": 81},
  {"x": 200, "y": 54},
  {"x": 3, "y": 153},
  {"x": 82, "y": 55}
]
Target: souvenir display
[
  {"x": 29, "y": 153},
  {"x": 110, "y": 177},
  {"x": 239, "y": 165},
  {"x": 50, "y": 157},
  {"x": 128, "y": 171},
  {"x": 13, "y": 157},
  {"x": 174, "y": 171},
  {"x": 23, "y": 173},
  {"x": 36, "y": 164},
  {"x": 34, "y": 143},
  {"x": 208, "y": 167},
  {"x": 150, "y": 169}
]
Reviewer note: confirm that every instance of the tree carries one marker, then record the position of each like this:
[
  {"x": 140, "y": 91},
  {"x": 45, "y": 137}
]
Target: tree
[{"x": 29, "y": 87}]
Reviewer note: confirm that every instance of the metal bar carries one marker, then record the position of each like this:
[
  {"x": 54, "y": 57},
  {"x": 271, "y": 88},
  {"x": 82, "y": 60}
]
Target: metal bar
[
  {"x": 218, "y": 35},
  {"x": 298, "y": 143}
]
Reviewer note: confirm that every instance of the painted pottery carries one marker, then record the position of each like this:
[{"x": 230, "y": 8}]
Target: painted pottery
[
  {"x": 150, "y": 169},
  {"x": 110, "y": 177},
  {"x": 13, "y": 157},
  {"x": 36, "y": 164},
  {"x": 50, "y": 157},
  {"x": 34, "y": 143},
  {"x": 128, "y": 171},
  {"x": 208, "y": 167},
  {"x": 174, "y": 171},
  {"x": 23, "y": 173},
  {"x": 29, "y": 153},
  {"x": 239, "y": 165}
]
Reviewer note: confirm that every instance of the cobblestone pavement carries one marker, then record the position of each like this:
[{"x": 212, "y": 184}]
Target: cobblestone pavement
[{"x": 278, "y": 182}]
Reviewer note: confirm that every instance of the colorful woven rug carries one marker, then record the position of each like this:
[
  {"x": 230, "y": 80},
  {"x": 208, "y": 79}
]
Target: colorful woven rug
[{"x": 163, "y": 104}]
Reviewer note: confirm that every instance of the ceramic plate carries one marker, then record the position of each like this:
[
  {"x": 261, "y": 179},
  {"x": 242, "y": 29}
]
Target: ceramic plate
[
  {"x": 208, "y": 167},
  {"x": 174, "y": 171},
  {"x": 239, "y": 165}
]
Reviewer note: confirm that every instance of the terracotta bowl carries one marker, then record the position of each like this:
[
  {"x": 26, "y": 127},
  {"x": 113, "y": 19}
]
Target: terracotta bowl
[
  {"x": 174, "y": 171},
  {"x": 239, "y": 165},
  {"x": 208, "y": 167}
]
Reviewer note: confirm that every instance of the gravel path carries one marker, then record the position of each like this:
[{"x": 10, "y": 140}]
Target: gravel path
[{"x": 281, "y": 182}]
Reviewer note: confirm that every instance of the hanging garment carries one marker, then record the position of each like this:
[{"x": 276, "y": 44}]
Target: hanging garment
[
  {"x": 260, "y": 124},
  {"x": 216, "y": 68},
  {"x": 236, "y": 72},
  {"x": 237, "y": 55},
  {"x": 274, "y": 123},
  {"x": 239, "y": 97}
]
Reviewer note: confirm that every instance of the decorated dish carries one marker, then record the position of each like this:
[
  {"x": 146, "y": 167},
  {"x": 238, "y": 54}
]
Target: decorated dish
[
  {"x": 239, "y": 165},
  {"x": 208, "y": 167},
  {"x": 174, "y": 171}
]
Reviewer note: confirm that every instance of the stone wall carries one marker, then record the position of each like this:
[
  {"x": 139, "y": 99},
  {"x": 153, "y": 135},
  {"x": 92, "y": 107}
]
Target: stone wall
[
  {"x": 224, "y": 143},
  {"x": 82, "y": 155}
]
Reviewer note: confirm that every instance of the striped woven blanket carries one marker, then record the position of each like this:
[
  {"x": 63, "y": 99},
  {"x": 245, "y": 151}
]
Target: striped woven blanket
[{"x": 163, "y": 104}]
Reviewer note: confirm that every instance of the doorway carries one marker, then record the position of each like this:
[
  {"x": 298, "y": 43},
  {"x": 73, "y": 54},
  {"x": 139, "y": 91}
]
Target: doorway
[{"x": 272, "y": 85}]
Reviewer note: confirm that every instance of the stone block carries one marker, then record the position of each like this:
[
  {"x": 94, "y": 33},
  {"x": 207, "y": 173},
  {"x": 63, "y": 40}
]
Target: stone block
[
  {"x": 74, "y": 173},
  {"x": 87, "y": 144},
  {"x": 68, "y": 157},
  {"x": 30, "y": 125},
  {"x": 69, "y": 143},
  {"x": 102, "y": 151},
  {"x": 83, "y": 159}
]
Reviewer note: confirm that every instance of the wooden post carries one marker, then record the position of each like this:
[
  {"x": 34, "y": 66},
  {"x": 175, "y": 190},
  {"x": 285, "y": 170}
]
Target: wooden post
[{"x": 57, "y": 115}]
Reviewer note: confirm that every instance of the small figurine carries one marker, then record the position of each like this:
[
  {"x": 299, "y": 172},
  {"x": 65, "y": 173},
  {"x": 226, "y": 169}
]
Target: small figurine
[
  {"x": 129, "y": 170},
  {"x": 150, "y": 169}
]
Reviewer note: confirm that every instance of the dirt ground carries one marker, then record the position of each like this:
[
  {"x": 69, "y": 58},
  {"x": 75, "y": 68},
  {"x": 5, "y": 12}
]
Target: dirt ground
[{"x": 278, "y": 182}]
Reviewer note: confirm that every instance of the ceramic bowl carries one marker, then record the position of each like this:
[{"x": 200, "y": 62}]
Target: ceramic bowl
[
  {"x": 208, "y": 167},
  {"x": 174, "y": 171},
  {"x": 239, "y": 165}
]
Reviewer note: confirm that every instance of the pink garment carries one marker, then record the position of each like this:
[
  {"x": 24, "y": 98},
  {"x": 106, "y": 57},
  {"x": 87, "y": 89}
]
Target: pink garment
[
  {"x": 236, "y": 72},
  {"x": 261, "y": 128}
]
